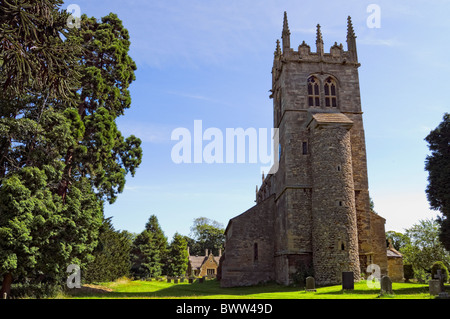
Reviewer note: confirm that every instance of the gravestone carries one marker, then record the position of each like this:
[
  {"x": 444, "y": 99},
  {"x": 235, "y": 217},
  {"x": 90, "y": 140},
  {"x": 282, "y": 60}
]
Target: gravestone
[
  {"x": 435, "y": 287},
  {"x": 175, "y": 280},
  {"x": 182, "y": 279},
  {"x": 200, "y": 280},
  {"x": 191, "y": 280},
  {"x": 386, "y": 285},
  {"x": 348, "y": 282},
  {"x": 310, "y": 284},
  {"x": 439, "y": 276},
  {"x": 169, "y": 279}
]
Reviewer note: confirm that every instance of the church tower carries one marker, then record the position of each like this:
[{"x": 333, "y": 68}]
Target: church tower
[{"x": 313, "y": 214}]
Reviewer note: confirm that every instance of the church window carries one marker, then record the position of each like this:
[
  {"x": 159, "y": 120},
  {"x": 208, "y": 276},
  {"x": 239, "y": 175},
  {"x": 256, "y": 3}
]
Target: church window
[
  {"x": 255, "y": 252},
  {"x": 305, "y": 148},
  {"x": 330, "y": 93},
  {"x": 313, "y": 91}
]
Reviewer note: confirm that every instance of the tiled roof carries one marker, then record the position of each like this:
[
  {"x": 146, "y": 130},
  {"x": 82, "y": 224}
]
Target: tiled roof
[
  {"x": 198, "y": 261},
  {"x": 331, "y": 118},
  {"x": 391, "y": 252}
]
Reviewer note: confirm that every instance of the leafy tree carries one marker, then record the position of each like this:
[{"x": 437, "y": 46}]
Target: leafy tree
[
  {"x": 112, "y": 255},
  {"x": 177, "y": 261},
  {"x": 438, "y": 166},
  {"x": 209, "y": 234},
  {"x": 397, "y": 239},
  {"x": 424, "y": 247}
]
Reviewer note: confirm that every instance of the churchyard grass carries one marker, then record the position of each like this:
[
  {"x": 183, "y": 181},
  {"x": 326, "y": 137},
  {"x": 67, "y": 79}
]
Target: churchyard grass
[{"x": 211, "y": 289}]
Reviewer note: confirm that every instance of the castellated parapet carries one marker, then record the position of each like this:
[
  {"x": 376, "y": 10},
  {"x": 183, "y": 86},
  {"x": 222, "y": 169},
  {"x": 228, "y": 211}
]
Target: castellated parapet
[{"x": 314, "y": 212}]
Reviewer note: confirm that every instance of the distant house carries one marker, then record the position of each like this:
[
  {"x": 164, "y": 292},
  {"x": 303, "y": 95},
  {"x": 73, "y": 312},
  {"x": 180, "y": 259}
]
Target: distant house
[
  {"x": 207, "y": 265},
  {"x": 395, "y": 264}
]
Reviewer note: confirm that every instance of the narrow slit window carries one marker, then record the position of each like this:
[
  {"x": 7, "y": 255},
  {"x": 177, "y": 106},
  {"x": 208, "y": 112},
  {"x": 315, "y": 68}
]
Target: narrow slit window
[
  {"x": 255, "y": 252},
  {"x": 330, "y": 89},
  {"x": 313, "y": 91},
  {"x": 305, "y": 148}
]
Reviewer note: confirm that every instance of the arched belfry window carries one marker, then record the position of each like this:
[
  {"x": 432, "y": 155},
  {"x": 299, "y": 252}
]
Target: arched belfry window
[
  {"x": 313, "y": 91},
  {"x": 330, "y": 89}
]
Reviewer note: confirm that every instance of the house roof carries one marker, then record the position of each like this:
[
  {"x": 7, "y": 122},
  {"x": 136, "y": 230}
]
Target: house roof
[
  {"x": 331, "y": 118},
  {"x": 198, "y": 261},
  {"x": 392, "y": 252}
]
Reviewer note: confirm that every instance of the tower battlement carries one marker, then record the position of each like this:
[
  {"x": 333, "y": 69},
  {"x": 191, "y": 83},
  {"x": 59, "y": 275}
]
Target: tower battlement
[{"x": 336, "y": 54}]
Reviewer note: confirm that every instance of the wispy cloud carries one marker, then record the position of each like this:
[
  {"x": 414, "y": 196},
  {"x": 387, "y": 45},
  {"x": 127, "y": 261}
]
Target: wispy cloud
[
  {"x": 197, "y": 97},
  {"x": 379, "y": 42},
  {"x": 147, "y": 132}
]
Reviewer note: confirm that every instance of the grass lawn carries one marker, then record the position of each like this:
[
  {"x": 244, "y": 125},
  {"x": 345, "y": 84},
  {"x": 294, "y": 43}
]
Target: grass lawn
[{"x": 211, "y": 289}]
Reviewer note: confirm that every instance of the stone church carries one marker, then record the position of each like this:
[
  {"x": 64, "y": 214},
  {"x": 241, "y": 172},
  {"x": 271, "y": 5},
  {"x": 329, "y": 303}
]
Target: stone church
[{"x": 314, "y": 212}]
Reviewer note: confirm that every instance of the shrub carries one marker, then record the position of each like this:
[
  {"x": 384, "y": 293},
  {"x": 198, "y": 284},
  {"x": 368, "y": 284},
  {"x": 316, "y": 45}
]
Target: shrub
[
  {"x": 35, "y": 290},
  {"x": 408, "y": 272},
  {"x": 303, "y": 271}
]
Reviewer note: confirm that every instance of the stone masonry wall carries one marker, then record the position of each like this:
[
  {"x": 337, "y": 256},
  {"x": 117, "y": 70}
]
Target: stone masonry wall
[
  {"x": 335, "y": 245},
  {"x": 245, "y": 264}
]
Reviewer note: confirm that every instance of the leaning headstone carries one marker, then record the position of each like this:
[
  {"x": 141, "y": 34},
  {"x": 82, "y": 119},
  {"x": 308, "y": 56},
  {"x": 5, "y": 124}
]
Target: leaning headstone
[
  {"x": 348, "y": 280},
  {"x": 310, "y": 284},
  {"x": 435, "y": 287},
  {"x": 386, "y": 285}
]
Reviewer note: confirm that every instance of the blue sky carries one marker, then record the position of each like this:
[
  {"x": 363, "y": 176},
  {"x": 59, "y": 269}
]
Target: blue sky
[{"x": 211, "y": 61}]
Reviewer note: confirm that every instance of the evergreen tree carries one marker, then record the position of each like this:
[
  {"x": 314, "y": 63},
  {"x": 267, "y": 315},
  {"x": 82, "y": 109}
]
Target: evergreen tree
[
  {"x": 112, "y": 255},
  {"x": 61, "y": 154},
  {"x": 146, "y": 259},
  {"x": 438, "y": 166},
  {"x": 159, "y": 238},
  {"x": 178, "y": 258},
  {"x": 33, "y": 56},
  {"x": 149, "y": 251}
]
